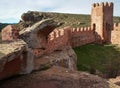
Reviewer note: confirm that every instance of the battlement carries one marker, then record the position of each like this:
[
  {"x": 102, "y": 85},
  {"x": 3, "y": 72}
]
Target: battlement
[
  {"x": 102, "y": 4},
  {"x": 61, "y": 32},
  {"x": 81, "y": 29},
  {"x": 116, "y": 27},
  {"x": 56, "y": 33},
  {"x": 116, "y": 24}
]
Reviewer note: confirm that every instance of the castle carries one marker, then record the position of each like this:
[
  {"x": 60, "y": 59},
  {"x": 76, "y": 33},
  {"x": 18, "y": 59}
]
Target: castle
[{"x": 45, "y": 40}]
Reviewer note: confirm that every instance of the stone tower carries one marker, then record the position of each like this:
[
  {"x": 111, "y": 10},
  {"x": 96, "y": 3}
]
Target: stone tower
[{"x": 102, "y": 21}]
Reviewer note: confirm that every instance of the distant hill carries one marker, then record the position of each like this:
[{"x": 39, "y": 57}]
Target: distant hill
[{"x": 73, "y": 20}]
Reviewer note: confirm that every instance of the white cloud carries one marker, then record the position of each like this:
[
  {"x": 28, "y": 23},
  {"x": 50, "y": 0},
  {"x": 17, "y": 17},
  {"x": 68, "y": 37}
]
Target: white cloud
[{"x": 14, "y": 8}]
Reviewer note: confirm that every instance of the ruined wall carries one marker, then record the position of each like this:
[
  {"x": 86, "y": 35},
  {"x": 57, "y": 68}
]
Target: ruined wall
[
  {"x": 67, "y": 36},
  {"x": 58, "y": 39},
  {"x": 115, "y": 34},
  {"x": 70, "y": 36},
  {"x": 9, "y": 33},
  {"x": 55, "y": 41}
]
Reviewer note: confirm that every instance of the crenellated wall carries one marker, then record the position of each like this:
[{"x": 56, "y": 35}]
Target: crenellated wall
[
  {"x": 82, "y": 36},
  {"x": 115, "y": 34},
  {"x": 67, "y": 36},
  {"x": 55, "y": 41},
  {"x": 58, "y": 39},
  {"x": 117, "y": 26},
  {"x": 70, "y": 36}
]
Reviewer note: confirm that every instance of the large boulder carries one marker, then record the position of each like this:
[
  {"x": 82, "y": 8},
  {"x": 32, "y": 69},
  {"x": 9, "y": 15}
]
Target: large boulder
[
  {"x": 12, "y": 58},
  {"x": 65, "y": 57},
  {"x": 36, "y": 35},
  {"x": 31, "y": 17},
  {"x": 56, "y": 77}
]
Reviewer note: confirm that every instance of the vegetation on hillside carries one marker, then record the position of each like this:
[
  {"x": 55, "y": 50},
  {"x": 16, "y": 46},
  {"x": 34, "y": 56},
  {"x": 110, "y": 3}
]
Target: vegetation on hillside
[
  {"x": 73, "y": 20},
  {"x": 104, "y": 58}
]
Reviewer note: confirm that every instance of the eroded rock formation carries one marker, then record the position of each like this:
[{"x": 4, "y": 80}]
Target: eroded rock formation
[
  {"x": 64, "y": 58},
  {"x": 12, "y": 58},
  {"x": 36, "y": 35}
]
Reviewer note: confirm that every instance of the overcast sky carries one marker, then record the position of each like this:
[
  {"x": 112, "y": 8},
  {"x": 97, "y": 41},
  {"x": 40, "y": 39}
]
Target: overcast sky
[{"x": 11, "y": 10}]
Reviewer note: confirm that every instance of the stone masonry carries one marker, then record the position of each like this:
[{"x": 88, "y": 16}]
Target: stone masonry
[
  {"x": 102, "y": 20},
  {"x": 9, "y": 33}
]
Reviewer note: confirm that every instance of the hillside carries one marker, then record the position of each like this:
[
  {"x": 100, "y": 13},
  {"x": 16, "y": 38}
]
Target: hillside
[
  {"x": 73, "y": 20},
  {"x": 103, "y": 58},
  {"x": 65, "y": 19}
]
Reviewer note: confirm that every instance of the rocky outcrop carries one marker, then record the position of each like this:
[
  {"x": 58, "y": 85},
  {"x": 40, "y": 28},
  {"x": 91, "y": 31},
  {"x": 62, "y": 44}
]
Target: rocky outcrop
[
  {"x": 12, "y": 58},
  {"x": 36, "y": 35},
  {"x": 64, "y": 58},
  {"x": 32, "y": 17},
  {"x": 56, "y": 77}
]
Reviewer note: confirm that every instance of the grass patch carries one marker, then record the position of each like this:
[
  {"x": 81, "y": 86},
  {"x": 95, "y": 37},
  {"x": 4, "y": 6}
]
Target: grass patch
[{"x": 104, "y": 58}]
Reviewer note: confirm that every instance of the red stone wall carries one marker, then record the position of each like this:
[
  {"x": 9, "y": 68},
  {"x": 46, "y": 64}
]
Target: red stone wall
[
  {"x": 115, "y": 35},
  {"x": 116, "y": 26},
  {"x": 82, "y": 36},
  {"x": 65, "y": 37},
  {"x": 58, "y": 38},
  {"x": 9, "y": 33},
  {"x": 70, "y": 36},
  {"x": 102, "y": 20}
]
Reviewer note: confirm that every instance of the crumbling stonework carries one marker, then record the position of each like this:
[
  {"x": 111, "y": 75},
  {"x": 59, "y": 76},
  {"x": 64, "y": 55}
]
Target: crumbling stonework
[
  {"x": 115, "y": 35},
  {"x": 9, "y": 33}
]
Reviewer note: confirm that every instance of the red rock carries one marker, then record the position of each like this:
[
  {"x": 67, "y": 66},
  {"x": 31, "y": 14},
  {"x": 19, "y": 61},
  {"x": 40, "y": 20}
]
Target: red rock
[
  {"x": 9, "y": 33},
  {"x": 56, "y": 77}
]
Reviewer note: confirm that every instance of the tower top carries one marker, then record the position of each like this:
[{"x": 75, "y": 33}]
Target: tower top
[{"x": 104, "y": 4}]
